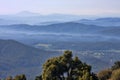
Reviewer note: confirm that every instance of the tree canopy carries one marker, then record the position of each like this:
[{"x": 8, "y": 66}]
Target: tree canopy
[{"x": 66, "y": 67}]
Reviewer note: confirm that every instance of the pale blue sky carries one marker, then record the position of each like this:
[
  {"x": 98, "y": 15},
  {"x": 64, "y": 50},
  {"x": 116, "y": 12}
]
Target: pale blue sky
[{"x": 79, "y": 7}]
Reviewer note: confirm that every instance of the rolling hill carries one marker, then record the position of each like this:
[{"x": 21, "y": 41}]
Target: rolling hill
[
  {"x": 17, "y": 58},
  {"x": 68, "y": 27},
  {"x": 30, "y": 18},
  {"x": 109, "y": 21}
]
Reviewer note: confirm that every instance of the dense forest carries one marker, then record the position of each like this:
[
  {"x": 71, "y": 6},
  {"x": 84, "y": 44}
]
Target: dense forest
[{"x": 67, "y": 67}]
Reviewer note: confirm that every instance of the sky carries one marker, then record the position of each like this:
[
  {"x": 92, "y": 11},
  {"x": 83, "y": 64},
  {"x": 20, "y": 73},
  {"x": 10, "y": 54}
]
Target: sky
[{"x": 76, "y": 7}]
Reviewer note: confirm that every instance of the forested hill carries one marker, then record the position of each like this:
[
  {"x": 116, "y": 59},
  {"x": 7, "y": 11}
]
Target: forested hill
[{"x": 16, "y": 58}]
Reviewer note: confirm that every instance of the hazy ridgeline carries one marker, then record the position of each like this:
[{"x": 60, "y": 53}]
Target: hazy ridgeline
[{"x": 25, "y": 47}]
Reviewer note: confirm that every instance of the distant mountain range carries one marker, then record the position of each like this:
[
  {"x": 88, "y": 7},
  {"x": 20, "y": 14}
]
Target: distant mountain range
[
  {"x": 30, "y": 18},
  {"x": 67, "y": 28},
  {"x": 96, "y": 41},
  {"x": 26, "y": 14},
  {"x": 26, "y": 17},
  {"x": 102, "y": 21}
]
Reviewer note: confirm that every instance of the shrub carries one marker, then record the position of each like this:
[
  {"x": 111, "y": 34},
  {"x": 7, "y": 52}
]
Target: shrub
[
  {"x": 115, "y": 75},
  {"x": 104, "y": 74}
]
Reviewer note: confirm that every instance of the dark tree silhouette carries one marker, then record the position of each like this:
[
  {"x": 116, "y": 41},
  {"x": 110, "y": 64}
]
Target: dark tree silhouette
[
  {"x": 66, "y": 67},
  {"x": 116, "y": 65}
]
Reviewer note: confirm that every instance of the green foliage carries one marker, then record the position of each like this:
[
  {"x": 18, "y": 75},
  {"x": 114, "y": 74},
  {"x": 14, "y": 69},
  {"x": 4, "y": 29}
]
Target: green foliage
[
  {"x": 20, "y": 77},
  {"x": 38, "y": 77},
  {"x": 86, "y": 76},
  {"x": 116, "y": 65},
  {"x": 66, "y": 68},
  {"x": 67, "y": 54},
  {"x": 94, "y": 77},
  {"x": 17, "y": 77}
]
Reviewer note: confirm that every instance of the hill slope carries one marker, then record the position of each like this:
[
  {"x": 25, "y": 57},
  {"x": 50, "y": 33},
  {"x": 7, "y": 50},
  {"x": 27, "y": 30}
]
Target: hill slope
[
  {"x": 68, "y": 27},
  {"x": 17, "y": 58},
  {"x": 102, "y": 21}
]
